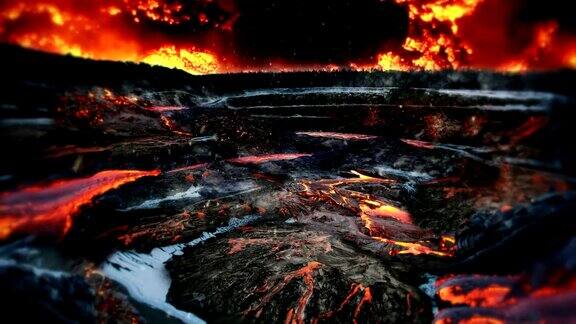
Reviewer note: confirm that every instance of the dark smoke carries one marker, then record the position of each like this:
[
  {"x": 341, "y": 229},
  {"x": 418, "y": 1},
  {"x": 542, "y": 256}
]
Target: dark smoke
[
  {"x": 327, "y": 31},
  {"x": 539, "y": 11}
]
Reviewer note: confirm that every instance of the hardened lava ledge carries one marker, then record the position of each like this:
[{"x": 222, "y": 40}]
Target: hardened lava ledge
[{"x": 143, "y": 192}]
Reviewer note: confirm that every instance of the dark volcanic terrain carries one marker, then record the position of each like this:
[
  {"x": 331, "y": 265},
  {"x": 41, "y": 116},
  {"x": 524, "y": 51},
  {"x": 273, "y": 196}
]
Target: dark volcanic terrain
[{"x": 132, "y": 193}]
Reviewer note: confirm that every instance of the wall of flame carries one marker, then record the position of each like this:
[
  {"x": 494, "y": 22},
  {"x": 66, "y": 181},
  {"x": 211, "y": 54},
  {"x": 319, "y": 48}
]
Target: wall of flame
[{"x": 198, "y": 36}]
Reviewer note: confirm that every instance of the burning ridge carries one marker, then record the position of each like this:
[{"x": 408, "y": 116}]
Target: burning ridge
[{"x": 203, "y": 37}]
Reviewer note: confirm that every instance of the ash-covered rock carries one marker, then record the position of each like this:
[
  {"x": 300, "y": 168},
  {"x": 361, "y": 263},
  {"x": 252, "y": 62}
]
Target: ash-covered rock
[
  {"x": 38, "y": 295},
  {"x": 353, "y": 183},
  {"x": 289, "y": 272},
  {"x": 520, "y": 235}
]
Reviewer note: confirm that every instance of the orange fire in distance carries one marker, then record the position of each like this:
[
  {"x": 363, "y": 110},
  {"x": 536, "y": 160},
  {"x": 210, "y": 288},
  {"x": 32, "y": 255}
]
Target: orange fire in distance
[{"x": 198, "y": 36}]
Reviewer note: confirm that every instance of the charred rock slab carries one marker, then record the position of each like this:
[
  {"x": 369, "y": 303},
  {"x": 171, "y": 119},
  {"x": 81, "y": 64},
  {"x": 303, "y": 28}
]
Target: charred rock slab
[
  {"x": 353, "y": 186},
  {"x": 37, "y": 295},
  {"x": 518, "y": 236},
  {"x": 289, "y": 272}
]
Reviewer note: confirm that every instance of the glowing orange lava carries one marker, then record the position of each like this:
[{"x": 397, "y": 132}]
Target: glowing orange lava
[
  {"x": 477, "y": 291},
  {"x": 368, "y": 208},
  {"x": 366, "y": 299},
  {"x": 355, "y": 291},
  {"x": 340, "y": 136},
  {"x": 188, "y": 168},
  {"x": 374, "y": 208},
  {"x": 413, "y": 248},
  {"x": 491, "y": 295},
  {"x": 295, "y": 315},
  {"x": 529, "y": 128},
  {"x": 163, "y": 109},
  {"x": 170, "y": 125},
  {"x": 259, "y": 159},
  {"x": 50, "y": 208},
  {"x": 419, "y": 144}
]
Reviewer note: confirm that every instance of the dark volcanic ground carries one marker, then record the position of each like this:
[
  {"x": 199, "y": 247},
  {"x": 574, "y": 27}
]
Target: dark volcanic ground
[{"x": 133, "y": 193}]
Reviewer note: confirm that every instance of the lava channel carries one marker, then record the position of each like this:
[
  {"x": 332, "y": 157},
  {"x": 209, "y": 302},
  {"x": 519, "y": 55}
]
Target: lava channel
[{"x": 48, "y": 209}]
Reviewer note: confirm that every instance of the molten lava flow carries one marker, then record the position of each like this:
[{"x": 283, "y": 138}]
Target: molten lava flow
[
  {"x": 520, "y": 298},
  {"x": 366, "y": 299},
  {"x": 374, "y": 208},
  {"x": 370, "y": 208},
  {"x": 529, "y": 128},
  {"x": 49, "y": 208},
  {"x": 413, "y": 248},
  {"x": 340, "y": 136},
  {"x": 295, "y": 315},
  {"x": 419, "y": 144},
  {"x": 355, "y": 291},
  {"x": 491, "y": 295},
  {"x": 163, "y": 109},
  {"x": 328, "y": 187},
  {"x": 170, "y": 125},
  {"x": 189, "y": 168},
  {"x": 259, "y": 159},
  {"x": 488, "y": 291}
]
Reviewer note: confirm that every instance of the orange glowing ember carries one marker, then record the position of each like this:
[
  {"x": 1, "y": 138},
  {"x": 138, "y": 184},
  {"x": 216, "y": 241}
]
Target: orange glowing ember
[
  {"x": 259, "y": 159},
  {"x": 369, "y": 208},
  {"x": 190, "y": 61},
  {"x": 529, "y": 128},
  {"x": 491, "y": 295},
  {"x": 50, "y": 208},
  {"x": 189, "y": 168},
  {"x": 374, "y": 208},
  {"x": 419, "y": 144},
  {"x": 493, "y": 299},
  {"x": 340, "y": 136},
  {"x": 391, "y": 61},
  {"x": 170, "y": 125},
  {"x": 366, "y": 299},
  {"x": 412, "y": 248},
  {"x": 356, "y": 290},
  {"x": 163, "y": 109},
  {"x": 297, "y": 314}
]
